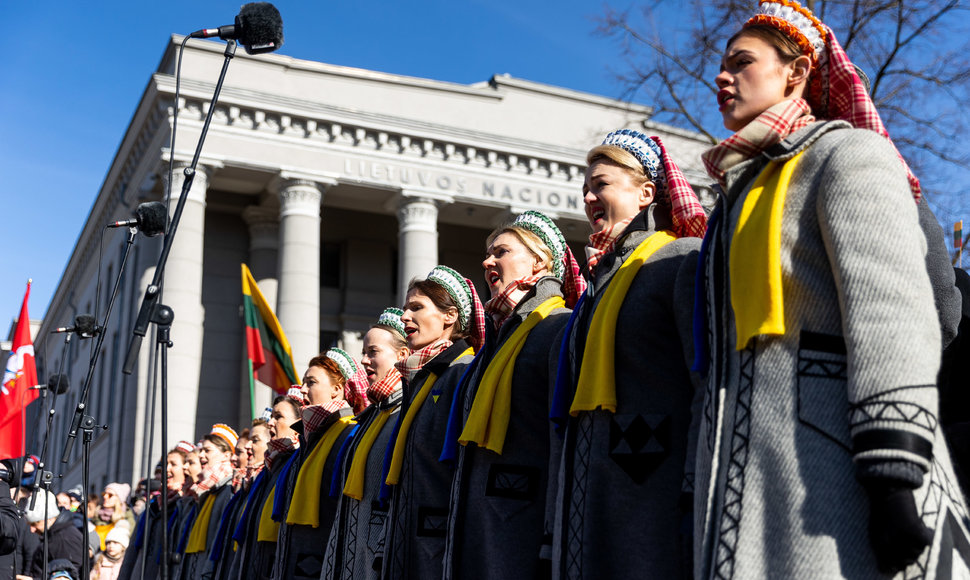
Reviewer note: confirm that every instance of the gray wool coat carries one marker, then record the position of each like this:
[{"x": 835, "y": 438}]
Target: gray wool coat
[
  {"x": 195, "y": 565},
  {"x": 618, "y": 511},
  {"x": 357, "y": 535},
  {"x": 300, "y": 550},
  {"x": 248, "y": 563},
  {"x": 497, "y": 507},
  {"x": 415, "y": 529},
  {"x": 789, "y": 419}
]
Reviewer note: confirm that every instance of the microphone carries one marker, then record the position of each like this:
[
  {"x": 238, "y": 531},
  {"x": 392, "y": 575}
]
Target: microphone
[
  {"x": 149, "y": 218},
  {"x": 56, "y": 383},
  {"x": 258, "y": 27},
  {"x": 84, "y": 326}
]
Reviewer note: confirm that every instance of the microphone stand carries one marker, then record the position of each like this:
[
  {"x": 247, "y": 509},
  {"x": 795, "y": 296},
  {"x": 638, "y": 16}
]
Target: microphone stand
[
  {"x": 153, "y": 311},
  {"x": 81, "y": 419},
  {"x": 44, "y": 477}
]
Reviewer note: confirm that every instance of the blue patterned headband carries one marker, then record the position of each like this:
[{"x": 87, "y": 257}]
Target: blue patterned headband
[{"x": 647, "y": 152}]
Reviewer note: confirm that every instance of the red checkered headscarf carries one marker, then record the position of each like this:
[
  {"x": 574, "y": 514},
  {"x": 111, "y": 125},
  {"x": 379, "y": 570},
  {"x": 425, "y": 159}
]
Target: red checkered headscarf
[
  {"x": 672, "y": 188},
  {"x": 835, "y": 92},
  {"x": 848, "y": 100}
]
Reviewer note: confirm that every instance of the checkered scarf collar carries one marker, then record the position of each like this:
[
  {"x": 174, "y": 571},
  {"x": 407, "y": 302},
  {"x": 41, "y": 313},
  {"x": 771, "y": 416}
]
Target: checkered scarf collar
[
  {"x": 413, "y": 363},
  {"x": 355, "y": 391},
  {"x": 281, "y": 446},
  {"x": 213, "y": 476},
  {"x": 238, "y": 478},
  {"x": 252, "y": 473},
  {"x": 602, "y": 243},
  {"x": 382, "y": 389},
  {"x": 767, "y": 129},
  {"x": 500, "y": 307},
  {"x": 315, "y": 416}
]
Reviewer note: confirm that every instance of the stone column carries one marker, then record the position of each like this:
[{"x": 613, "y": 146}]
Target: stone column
[
  {"x": 182, "y": 291},
  {"x": 264, "y": 242},
  {"x": 298, "y": 300},
  {"x": 352, "y": 341},
  {"x": 417, "y": 235}
]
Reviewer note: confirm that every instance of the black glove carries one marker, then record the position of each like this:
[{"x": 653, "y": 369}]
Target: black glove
[{"x": 896, "y": 532}]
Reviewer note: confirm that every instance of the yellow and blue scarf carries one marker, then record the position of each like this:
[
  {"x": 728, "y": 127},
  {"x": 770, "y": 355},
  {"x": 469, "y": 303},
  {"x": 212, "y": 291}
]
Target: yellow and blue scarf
[
  {"x": 596, "y": 387},
  {"x": 488, "y": 420},
  {"x": 200, "y": 528},
  {"x": 304, "y": 507},
  {"x": 354, "y": 487}
]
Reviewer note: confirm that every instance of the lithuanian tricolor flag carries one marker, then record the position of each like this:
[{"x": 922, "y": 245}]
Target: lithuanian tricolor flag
[{"x": 265, "y": 341}]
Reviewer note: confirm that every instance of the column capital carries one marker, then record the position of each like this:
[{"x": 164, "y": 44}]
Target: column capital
[
  {"x": 300, "y": 197},
  {"x": 264, "y": 227},
  {"x": 417, "y": 214},
  {"x": 200, "y": 182}
]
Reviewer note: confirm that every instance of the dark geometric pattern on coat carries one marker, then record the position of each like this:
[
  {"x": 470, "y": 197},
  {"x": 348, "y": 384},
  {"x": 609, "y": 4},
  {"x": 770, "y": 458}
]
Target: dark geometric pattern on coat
[
  {"x": 375, "y": 527},
  {"x": 822, "y": 374},
  {"x": 350, "y": 550},
  {"x": 874, "y": 409},
  {"x": 942, "y": 495},
  {"x": 331, "y": 550},
  {"x": 308, "y": 565},
  {"x": 687, "y": 484},
  {"x": 639, "y": 443},
  {"x": 432, "y": 521},
  {"x": 519, "y": 482},
  {"x": 727, "y": 540},
  {"x": 577, "y": 498},
  {"x": 954, "y": 553}
]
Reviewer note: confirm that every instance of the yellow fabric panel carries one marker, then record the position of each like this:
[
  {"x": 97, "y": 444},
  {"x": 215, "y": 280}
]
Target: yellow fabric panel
[
  {"x": 200, "y": 527},
  {"x": 305, "y": 504},
  {"x": 268, "y": 530},
  {"x": 596, "y": 387},
  {"x": 488, "y": 420},
  {"x": 755, "y": 256},
  {"x": 355, "y": 478}
]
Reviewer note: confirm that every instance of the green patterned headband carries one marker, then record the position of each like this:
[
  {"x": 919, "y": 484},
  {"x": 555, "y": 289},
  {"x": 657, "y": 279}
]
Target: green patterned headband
[
  {"x": 540, "y": 224},
  {"x": 454, "y": 285},
  {"x": 347, "y": 364},
  {"x": 391, "y": 318}
]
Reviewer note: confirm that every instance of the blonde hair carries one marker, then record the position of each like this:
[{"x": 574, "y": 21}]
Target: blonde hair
[
  {"x": 619, "y": 156},
  {"x": 623, "y": 158},
  {"x": 529, "y": 239}
]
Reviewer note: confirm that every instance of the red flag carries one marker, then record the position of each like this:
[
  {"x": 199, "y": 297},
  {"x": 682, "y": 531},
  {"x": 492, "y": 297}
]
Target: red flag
[{"x": 15, "y": 393}]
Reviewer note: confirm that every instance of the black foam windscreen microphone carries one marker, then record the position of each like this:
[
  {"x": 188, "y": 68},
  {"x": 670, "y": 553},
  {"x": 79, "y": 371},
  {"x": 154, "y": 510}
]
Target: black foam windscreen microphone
[
  {"x": 56, "y": 384},
  {"x": 149, "y": 218},
  {"x": 84, "y": 325},
  {"x": 258, "y": 27}
]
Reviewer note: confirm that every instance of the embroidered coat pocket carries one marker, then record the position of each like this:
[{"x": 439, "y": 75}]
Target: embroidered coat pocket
[{"x": 822, "y": 382}]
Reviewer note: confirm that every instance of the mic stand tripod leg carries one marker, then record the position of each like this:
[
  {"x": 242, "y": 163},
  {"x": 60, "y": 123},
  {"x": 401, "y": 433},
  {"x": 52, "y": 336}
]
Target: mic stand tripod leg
[
  {"x": 162, "y": 316},
  {"x": 44, "y": 478},
  {"x": 87, "y": 436}
]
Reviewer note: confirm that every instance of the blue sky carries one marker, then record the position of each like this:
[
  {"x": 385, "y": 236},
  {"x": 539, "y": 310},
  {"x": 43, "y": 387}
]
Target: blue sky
[{"x": 73, "y": 72}]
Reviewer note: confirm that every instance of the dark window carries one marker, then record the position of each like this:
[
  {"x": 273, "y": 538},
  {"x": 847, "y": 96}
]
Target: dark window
[
  {"x": 330, "y": 264},
  {"x": 328, "y": 339}
]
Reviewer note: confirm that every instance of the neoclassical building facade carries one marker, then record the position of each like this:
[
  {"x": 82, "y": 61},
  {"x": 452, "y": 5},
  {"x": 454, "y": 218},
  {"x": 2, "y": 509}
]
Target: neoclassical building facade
[{"x": 336, "y": 186}]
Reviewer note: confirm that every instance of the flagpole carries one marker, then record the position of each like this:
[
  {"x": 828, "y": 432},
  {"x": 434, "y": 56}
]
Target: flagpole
[{"x": 252, "y": 390}]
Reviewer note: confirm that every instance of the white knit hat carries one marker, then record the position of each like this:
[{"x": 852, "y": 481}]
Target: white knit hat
[
  {"x": 37, "y": 514},
  {"x": 118, "y": 534}
]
